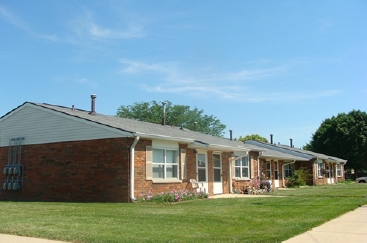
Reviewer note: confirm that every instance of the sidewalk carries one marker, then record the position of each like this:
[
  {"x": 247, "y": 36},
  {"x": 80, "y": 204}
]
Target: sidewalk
[
  {"x": 21, "y": 239},
  {"x": 350, "y": 227}
]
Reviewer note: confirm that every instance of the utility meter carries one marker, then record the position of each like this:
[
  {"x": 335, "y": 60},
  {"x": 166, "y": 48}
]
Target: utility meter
[
  {"x": 15, "y": 186},
  {"x": 15, "y": 170},
  {"x": 10, "y": 170},
  {"x": 6, "y": 170},
  {"x": 9, "y": 186},
  {"x": 5, "y": 186}
]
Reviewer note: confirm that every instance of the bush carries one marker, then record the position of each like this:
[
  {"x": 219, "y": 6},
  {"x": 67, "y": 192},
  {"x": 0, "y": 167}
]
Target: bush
[
  {"x": 172, "y": 196},
  {"x": 299, "y": 178}
]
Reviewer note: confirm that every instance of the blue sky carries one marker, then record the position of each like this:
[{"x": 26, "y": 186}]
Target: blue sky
[{"x": 260, "y": 67}]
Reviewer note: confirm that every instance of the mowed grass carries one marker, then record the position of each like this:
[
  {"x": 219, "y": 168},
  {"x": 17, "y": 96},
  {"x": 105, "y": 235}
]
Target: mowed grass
[{"x": 265, "y": 219}]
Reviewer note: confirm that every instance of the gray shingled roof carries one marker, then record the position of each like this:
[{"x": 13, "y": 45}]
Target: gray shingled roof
[
  {"x": 295, "y": 151},
  {"x": 273, "y": 154},
  {"x": 152, "y": 130}
]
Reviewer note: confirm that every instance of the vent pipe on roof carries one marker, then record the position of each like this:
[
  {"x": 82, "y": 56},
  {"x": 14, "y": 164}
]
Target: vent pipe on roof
[
  {"x": 73, "y": 108},
  {"x": 164, "y": 113},
  {"x": 93, "y": 108},
  {"x": 291, "y": 142},
  {"x": 195, "y": 124},
  {"x": 230, "y": 135},
  {"x": 271, "y": 138}
]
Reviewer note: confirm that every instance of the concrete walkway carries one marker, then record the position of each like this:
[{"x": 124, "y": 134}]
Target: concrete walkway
[
  {"x": 21, "y": 239},
  {"x": 350, "y": 227}
]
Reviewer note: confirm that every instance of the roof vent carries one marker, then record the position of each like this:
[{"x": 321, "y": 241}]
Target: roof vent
[
  {"x": 164, "y": 113},
  {"x": 271, "y": 138},
  {"x": 230, "y": 135},
  {"x": 93, "y": 106}
]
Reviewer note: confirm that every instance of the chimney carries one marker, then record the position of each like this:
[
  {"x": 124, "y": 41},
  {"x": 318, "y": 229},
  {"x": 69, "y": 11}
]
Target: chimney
[
  {"x": 93, "y": 108},
  {"x": 291, "y": 142},
  {"x": 230, "y": 135},
  {"x": 271, "y": 138},
  {"x": 164, "y": 113},
  {"x": 195, "y": 124}
]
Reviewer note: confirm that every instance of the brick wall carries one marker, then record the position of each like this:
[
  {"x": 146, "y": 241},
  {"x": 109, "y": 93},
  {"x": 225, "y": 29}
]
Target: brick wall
[
  {"x": 95, "y": 170},
  {"x": 241, "y": 185},
  {"x": 144, "y": 186}
]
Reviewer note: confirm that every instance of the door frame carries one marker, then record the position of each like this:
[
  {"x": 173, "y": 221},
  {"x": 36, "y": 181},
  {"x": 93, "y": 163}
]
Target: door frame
[
  {"x": 276, "y": 181},
  {"x": 203, "y": 185},
  {"x": 218, "y": 185}
]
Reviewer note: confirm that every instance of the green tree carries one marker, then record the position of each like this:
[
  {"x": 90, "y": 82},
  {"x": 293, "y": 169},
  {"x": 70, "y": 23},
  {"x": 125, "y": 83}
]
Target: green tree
[
  {"x": 256, "y": 137},
  {"x": 177, "y": 115},
  {"x": 343, "y": 136}
]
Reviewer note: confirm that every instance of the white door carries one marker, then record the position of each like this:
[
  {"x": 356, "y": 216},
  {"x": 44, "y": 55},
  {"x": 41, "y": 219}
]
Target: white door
[
  {"x": 276, "y": 174},
  {"x": 217, "y": 166},
  {"x": 202, "y": 172}
]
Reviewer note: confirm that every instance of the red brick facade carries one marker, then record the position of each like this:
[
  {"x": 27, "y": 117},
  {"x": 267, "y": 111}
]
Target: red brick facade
[
  {"x": 95, "y": 170},
  {"x": 98, "y": 171}
]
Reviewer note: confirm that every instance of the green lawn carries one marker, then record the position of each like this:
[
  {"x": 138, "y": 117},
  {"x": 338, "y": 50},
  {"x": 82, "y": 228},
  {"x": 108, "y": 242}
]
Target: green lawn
[{"x": 267, "y": 219}]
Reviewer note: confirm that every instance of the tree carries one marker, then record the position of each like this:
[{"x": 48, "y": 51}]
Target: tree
[
  {"x": 343, "y": 136},
  {"x": 256, "y": 137},
  {"x": 177, "y": 115}
]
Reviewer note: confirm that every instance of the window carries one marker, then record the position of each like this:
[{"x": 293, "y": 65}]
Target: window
[
  {"x": 242, "y": 167},
  {"x": 268, "y": 170},
  {"x": 320, "y": 168},
  {"x": 288, "y": 170},
  {"x": 338, "y": 170},
  {"x": 276, "y": 175},
  {"x": 165, "y": 163},
  {"x": 217, "y": 167},
  {"x": 201, "y": 167},
  {"x": 329, "y": 171}
]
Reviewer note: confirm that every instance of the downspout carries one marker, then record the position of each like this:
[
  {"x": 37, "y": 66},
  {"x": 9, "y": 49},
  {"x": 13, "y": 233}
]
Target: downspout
[
  {"x": 132, "y": 166},
  {"x": 230, "y": 174},
  {"x": 294, "y": 161}
]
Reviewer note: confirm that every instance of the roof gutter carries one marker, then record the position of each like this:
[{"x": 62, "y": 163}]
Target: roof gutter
[
  {"x": 294, "y": 161},
  {"x": 132, "y": 166}
]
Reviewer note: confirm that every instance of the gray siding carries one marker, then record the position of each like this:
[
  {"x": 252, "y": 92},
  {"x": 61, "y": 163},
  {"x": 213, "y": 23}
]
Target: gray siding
[{"x": 39, "y": 125}]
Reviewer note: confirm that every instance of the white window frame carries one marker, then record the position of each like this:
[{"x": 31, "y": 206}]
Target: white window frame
[
  {"x": 268, "y": 170},
  {"x": 241, "y": 167},
  {"x": 289, "y": 168},
  {"x": 276, "y": 171},
  {"x": 338, "y": 170},
  {"x": 164, "y": 163},
  {"x": 216, "y": 167},
  {"x": 204, "y": 153},
  {"x": 320, "y": 165}
]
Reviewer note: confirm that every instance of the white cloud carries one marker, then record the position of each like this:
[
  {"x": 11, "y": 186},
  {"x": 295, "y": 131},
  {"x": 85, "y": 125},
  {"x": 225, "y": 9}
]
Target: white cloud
[
  {"x": 239, "y": 86},
  {"x": 132, "y": 31},
  {"x": 13, "y": 19}
]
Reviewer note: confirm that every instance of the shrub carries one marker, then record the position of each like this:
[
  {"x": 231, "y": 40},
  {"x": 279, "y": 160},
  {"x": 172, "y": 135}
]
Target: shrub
[
  {"x": 172, "y": 196},
  {"x": 299, "y": 178}
]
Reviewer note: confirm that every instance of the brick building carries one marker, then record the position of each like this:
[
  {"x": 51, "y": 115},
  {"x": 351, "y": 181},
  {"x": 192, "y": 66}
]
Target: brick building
[{"x": 56, "y": 153}]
